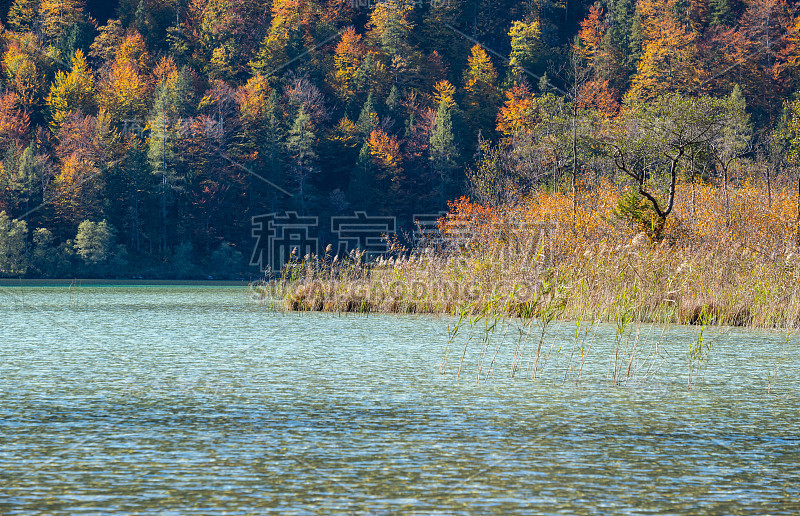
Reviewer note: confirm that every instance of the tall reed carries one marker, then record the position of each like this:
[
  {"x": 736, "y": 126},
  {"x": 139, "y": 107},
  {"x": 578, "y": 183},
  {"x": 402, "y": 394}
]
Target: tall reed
[{"x": 731, "y": 262}]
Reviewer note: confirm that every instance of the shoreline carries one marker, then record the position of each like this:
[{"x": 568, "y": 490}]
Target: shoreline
[{"x": 61, "y": 282}]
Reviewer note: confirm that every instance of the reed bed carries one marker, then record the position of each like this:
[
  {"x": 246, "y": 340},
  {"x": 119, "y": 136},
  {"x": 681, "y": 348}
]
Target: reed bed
[{"x": 727, "y": 257}]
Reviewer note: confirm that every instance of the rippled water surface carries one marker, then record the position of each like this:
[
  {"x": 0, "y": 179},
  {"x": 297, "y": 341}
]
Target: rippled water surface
[{"x": 196, "y": 400}]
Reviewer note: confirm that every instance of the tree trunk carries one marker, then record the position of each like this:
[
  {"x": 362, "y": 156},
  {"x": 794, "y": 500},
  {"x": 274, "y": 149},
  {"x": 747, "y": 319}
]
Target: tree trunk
[
  {"x": 797, "y": 238},
  {"x": 574, "y": 161},
  {"x": 769, "y": 186},
  {"x": 164, "y": 215},
  {"x": 727, "y": 197}
]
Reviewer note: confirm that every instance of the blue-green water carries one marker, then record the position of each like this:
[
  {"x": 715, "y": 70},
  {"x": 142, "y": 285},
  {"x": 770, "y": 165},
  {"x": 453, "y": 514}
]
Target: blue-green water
[{"x": 173, "y": 400}]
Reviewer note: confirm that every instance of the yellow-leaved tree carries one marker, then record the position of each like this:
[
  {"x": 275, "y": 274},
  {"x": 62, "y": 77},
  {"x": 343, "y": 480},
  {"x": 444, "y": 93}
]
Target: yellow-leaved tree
[
  {"x": 71, "y": 92},
  {"x": 444, "y": 91},
  {"x": 59, "y": 16},
  {"x": 481, "y": 96},
  {"x": 24, "y": 70},
  {"x": 123, "y": 93},
  {"x": 517, "y": 113},
  {"x": 526, "y": 43},
  {"x": 669, "y": 61},
  {"x": 350, "y": 54}
]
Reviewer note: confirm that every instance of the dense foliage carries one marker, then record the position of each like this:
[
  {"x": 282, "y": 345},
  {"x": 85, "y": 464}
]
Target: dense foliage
[{"x": 145, "y": 143}]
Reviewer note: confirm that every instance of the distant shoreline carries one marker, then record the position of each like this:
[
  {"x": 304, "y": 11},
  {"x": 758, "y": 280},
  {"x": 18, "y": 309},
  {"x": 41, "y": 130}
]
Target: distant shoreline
[{"x": 30, "y": 282}]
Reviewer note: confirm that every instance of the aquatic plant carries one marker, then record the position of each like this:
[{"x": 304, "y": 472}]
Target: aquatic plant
[{"x": 743, "y": 272}]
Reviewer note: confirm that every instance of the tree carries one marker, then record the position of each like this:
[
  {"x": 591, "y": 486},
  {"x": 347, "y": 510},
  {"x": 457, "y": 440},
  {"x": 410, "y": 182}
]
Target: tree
[
  {"x": 443, "y": 152},
  {"x": 24, "y": 70},
  {"x": 577, "y": 78},
  {"x": 481, "y": 96},
  {"x": 46, "y": 258},
  {"x": 26, "y": 184},
  {"x": 291, "y": 21},
  {"x": 171, "y": 100},
  {"x": 592, "y": 33},
  {"x": 273, "y": 141},
  {"x": 71, "y": 92},
  {"x": 82, "y": 153},
  {"x": 130, "y": 187},
  {"x": 389, "y": 27},
  {"x": 13, "y": 235},
  {"x": 301, "y": 147},
  {"x": 733, "y": 140},
  {"x": 544, "y": 148},
  {"x": 489, "y": 182},
  {"x": 516, "y": 114},
  {"x": 721, "y": 13},
  {"x": 652, "y": 139},
  {"x": 347, "y": 60},
  {"x": 368, "y": 118},
  {"x": 756, "y": 53},
  {"x": 104, "y": 47},
  {"x": 787, "y": 135},
  {"x": 384, "y": 151},
  {"x": 162, "y": 158},
  {"x": 123, "y": 93},
  {"x": 669, "y": 61},
  {"x": 227, "y": 34},
  {"x": 14, "y": 120},
  {"x": 22, "y": 15},
  {"x": 94, "y": 242},
  {"x": 616, "y": 58},
  {"x": 444, "y": 91},
  {"x": 444, "y": 42},
  {"x": 59, "y": 17},
  {"x": 526, "y": 42}
]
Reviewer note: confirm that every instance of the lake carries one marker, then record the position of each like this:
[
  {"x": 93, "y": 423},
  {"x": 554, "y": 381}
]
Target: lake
[{"x": 199, "y": 400}]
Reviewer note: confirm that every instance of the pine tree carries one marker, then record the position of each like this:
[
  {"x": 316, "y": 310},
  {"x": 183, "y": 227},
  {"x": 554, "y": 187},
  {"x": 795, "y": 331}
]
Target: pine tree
[
  {"x": 136, "y": 183},
  {"x": 393, "y": 100},
  {"x": 443, "y": 151},
  {"x": 368, "y": 118},
  {"x": 361, "y": 190},
  {"x": 162, "y": 157},
  {"x": 300, "y": 145},
  {"x": 622, "y": 41},
  {"x": 440, "y": 37},
  {"x": 274, "y": 136}
]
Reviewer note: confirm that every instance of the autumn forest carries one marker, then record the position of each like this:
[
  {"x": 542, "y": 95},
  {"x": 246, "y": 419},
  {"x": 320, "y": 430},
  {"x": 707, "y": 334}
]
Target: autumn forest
[{"x": 141, "y": 137}]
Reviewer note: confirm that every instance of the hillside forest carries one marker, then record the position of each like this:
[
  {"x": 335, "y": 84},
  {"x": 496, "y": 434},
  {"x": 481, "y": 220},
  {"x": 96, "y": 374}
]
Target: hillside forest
[{"x": 140, "y": 138}]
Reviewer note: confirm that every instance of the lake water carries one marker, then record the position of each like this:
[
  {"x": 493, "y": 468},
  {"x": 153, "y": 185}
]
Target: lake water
[{"x": 197, "y": 400}]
